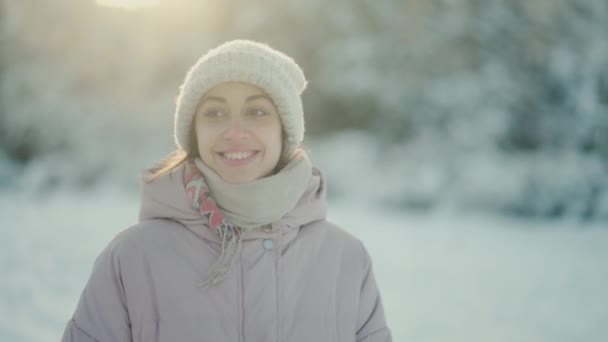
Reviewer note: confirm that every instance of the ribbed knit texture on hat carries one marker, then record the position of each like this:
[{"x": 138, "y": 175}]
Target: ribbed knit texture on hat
[{"x": 250, "y": 62}]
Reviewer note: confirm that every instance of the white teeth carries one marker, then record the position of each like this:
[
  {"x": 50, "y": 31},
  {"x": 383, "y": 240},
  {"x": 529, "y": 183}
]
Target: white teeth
[{"x": 237, "y": 155}]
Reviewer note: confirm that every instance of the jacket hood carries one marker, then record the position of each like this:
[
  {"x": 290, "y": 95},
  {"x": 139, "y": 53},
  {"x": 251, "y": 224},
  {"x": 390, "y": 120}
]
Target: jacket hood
[{"x": 166, "y": 198}]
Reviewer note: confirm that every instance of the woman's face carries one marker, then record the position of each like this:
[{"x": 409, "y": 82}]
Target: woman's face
[{"x": 238, "y": 131}]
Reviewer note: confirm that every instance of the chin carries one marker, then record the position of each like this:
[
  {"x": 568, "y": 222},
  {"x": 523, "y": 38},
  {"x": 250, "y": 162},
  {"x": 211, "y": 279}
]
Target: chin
[{"x": 240, "y": 179}]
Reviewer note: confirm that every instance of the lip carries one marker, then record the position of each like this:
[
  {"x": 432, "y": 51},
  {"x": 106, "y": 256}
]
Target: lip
[
  {"x": 237, "y": 162},
  {"x": 237, "y": 149}
]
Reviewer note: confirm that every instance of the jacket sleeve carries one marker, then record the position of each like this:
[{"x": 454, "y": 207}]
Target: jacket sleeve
[
  {"x": 371, "y": 323},
  {"x": 101, "y": 313}
]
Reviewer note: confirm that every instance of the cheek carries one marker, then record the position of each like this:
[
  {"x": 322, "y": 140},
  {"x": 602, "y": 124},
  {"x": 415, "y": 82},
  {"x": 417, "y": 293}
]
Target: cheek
[
  {"x": 204, "y": 139},
  {"x": 276, "y": 139}
]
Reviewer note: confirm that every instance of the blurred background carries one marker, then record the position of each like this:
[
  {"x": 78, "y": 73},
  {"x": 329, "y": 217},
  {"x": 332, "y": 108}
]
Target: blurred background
[{"x": 464, "y": 141}]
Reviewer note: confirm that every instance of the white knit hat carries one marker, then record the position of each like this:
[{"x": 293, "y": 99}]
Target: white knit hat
[{"x": 251, "y": 62}]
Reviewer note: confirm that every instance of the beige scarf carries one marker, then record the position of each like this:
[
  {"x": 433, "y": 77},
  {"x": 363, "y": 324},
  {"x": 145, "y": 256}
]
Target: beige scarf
[{"x": 263, "y": 201}]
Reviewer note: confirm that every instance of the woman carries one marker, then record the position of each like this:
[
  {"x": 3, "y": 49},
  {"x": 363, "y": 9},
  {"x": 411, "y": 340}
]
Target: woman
[{"x": 233, "y": 242}]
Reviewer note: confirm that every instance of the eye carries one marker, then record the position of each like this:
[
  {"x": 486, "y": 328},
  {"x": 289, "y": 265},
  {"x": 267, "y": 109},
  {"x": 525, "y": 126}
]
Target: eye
[
  {"x": 214, "y": 113},
  {"x": 257, "y": 112}
]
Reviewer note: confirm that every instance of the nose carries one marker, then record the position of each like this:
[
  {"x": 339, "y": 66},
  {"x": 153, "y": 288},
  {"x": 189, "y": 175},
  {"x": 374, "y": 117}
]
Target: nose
[{"x": 236, "y": 132}]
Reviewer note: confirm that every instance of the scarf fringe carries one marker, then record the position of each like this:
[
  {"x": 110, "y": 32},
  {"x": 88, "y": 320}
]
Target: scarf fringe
[
  {"x": 218, "y": 271},
  {"x": 231, "y": 235}
]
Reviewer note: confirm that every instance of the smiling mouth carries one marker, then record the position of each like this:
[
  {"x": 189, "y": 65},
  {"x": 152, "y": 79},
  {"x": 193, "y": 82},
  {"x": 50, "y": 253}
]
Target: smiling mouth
[
  {"x": 237, "y": 155},
  {"x": 238, "y": 158}
]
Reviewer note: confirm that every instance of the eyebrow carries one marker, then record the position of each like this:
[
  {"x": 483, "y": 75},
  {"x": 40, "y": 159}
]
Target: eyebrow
[
  {"x": 248, "y": 99},
  {"x": 260, "y": 96}
]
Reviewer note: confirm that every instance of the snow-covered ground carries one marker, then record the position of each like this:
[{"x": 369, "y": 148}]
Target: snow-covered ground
[{"x": 442, "y": 277}]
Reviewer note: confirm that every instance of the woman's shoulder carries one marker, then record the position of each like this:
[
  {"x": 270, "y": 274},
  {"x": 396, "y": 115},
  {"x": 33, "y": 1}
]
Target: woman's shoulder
[
  {"x": 150, "y": 227},
  {"x": 146, "y": 234},
  {"x": 335, "y": 236}
]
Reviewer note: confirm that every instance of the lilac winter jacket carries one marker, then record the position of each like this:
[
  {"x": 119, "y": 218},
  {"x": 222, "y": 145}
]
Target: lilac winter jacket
[{"x": 303, "y": 280}]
